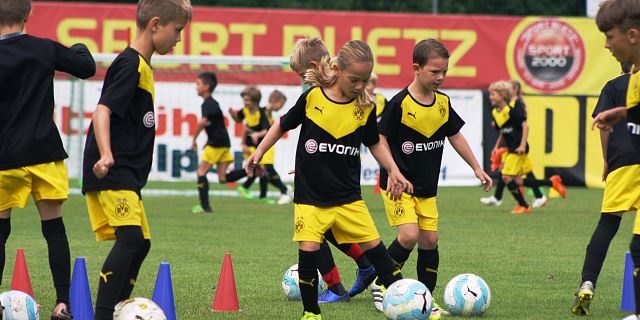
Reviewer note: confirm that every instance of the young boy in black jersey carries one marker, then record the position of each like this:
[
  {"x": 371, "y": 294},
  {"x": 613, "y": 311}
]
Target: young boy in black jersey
[
  {"x": 216, "y": 151},
  {"x": 119, "y": 150},
  {"x": 511, "y": 121},
  {"x": 276, "y": 101},
  {"x": 620, "y": 159},
  {"x": 336, "y": 115},
  {"x": 31, "y": 151},
  {"x": 417, "y": 117}
]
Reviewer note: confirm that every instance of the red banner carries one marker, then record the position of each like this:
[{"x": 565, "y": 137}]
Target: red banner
[{"x": 548, "y": 55}]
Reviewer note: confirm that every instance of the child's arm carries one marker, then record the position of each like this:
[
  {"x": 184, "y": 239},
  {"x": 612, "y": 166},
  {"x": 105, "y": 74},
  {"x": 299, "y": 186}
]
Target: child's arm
[
  {"x": 273, "y": 135},
  {"x": 522, "y": 148},
  {"x": 102, "y": 130},
  {"x": 606, "y": 119},
  {"x": 396, "y": 183},
  {"x": 234, "y": 115},
  {"x": 199, "y": 127},
  {"x": 76, "y": 61},
  {"x": 459, "y": 143},
  {"x": 604, "y": 142}
]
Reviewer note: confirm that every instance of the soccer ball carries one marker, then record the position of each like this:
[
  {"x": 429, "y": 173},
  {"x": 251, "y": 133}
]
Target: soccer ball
[
  {"x": 18, "y": 306},
  {"x": 467, "y": 295},
  {"x": 407, "y": 299},
  {"x": 290, "y": 283},
  {"x": 138, "y": 309}
]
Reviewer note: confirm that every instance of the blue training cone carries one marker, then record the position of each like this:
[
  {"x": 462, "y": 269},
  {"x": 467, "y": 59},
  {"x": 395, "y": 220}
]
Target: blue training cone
[
  {"x": 163, "y": 292},
  {"x": 628, "y": 297},
  {"x": 80, "y": 294}
]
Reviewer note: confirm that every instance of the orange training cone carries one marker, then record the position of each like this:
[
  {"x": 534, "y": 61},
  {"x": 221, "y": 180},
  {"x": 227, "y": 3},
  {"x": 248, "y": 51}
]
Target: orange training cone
[
  {"x": 376, "y": 189},
  {"x": 226, "y": 297},
  {"x": 20, "y": 280}
]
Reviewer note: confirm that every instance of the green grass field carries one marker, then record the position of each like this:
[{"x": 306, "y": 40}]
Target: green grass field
[{"x": 531, "y": 262}]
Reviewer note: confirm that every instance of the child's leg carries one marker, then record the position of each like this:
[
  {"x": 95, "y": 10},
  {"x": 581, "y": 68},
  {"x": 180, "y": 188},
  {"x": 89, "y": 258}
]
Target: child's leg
[
  {"x": 329, "y": 270},
  {"x": 534, "y": 184},
  {"x": 264, "y": 186},
  {"x": 203, "y": 185},
  {"x": 499, "y": 189},
  {"x": 428, "y": 259},
  {"x": 400, "y": 249},
  {"x": 599, "y": 245},
  {"x": 116, "y": 269},
  {"x": 308, "y": 275},
  {"x": 274, "y": 178},
  {"x": 125, "y": 292},
  {"x": 54, "y": 232},
  {"x": 352, "y": 250},
  {"x": 514, "y": 188},
  {"x": 387, "y": 271}
]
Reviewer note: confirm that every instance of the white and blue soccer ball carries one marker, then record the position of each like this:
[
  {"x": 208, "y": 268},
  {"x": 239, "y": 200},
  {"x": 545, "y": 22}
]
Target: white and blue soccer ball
[
  {"x": 467, "y": 295},
  {"x": 138, "y": 309},
  {"x": 290, "y": 283},
  {"x": 18, "y": 306},
  {"x": 407, "y": 299}
]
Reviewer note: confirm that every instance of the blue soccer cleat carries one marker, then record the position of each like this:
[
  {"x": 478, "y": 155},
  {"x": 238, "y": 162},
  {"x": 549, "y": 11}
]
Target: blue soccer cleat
[
  {"x": 363, "y": 279},
  {"x": 329, "y": 297}
]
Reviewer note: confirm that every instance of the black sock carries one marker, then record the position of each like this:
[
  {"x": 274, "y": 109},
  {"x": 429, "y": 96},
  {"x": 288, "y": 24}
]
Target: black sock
[
  {"x": 325, "y": 259},
  {"x": 515, "y": 191},
  {"x": 203, "y": 192},
  {"x": 635, "y": 254},
  {"x": 235, "y": 175},
  {"x": 5, "y": 231},
  {"x": 338, "y": 289},
  {"x": 247, "y": 183},
  {"x": 387, "y": 271},
  {"x": 427, "y": 267},
  {"x": 599, "y": 245},
  {"x": 308, "y": 280},
  {"x": 264, "y": 185},
  {"x": 363, "y": 262},
  {"x": 274, "y": 178},
  {"x": 59, "y": 257},
  {"x": 499, "y": 189},
  {"x": 125, "y": 292},
  {"x": 398, "y": 253},
  {"x": 115, "y": 271},
  {"x": 536, "y": 189}
]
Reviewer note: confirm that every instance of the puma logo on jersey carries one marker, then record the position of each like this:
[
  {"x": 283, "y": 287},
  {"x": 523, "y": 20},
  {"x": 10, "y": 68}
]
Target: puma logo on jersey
[
  {"x": 412, "y": 114},
  {"x": 317, "y": 108},
  {"x": 105, "y": 275}
]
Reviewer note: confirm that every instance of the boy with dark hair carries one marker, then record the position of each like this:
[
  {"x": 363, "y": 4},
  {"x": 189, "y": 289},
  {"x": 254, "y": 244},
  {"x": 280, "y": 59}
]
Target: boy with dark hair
[
  {"x": 216, "y": 151},
  {"x": 119, "y": 150},
  {"x": 31, "y": 151}
]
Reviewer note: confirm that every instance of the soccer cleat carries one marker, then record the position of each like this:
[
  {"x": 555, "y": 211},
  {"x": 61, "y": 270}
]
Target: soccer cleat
[
  {"x": 329, "y": 296},
  {"x": 364, "y": 277},
  {"x": 631, "y": 317},
  {"x": 521, "y": 209},
  {"x": 539, "y": 202},
  {"x": 583, "y": 299},
  {"x": 311, "y": 316},
  {"x": 198, "y": 209},
  {"x": 377, "y": 292},
  {"x": 436, "y": 311},
  {"x": 491, "y": 201},
  {"x": 284, "y": 199},
  {"x": 556, "y": 184},
  {"x": 244, "y": 192},
  {"x": 61, "y": 312},
  {"x": 267, "y": 201}
]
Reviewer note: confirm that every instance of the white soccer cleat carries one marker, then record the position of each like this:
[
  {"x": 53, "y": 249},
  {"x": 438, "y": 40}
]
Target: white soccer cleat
[
  {"x": 539, "y": 202},
  {"x": 491, "y": 201},
  {"x": 377, "y": 292},
  {"x": 284, "y": 199}
]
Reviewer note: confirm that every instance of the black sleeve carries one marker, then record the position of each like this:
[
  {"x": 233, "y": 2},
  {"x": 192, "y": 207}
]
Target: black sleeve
[
  {"x": 120, "y": 85},
  {"x": 606, "y": 99},
  {"x": 454, "y": 124},
  {"x": 294, "y": 117},
  {"x": 211, "y": 109},
  {"x": 241, "y": 115},
  {"x": 76, "y": 61},
  {"x": 264, "y": 120},
  {"x": 371, "y": 129},
  {"x": 390, "y": 118}
]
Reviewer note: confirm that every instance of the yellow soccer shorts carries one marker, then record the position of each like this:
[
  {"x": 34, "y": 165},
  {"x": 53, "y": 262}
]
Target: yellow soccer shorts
[
  {"x": 622, "y": 192},
  {"x": 350, "y": 223},
  {"x": 268, "y": 157},
  {"x": 216, "y": 155},
  {"x": 46, "y": 181},
  {"x": 410, "y": 209},
  {"x": 516, "y": 164},
  {"x": 109, "y": 209}
]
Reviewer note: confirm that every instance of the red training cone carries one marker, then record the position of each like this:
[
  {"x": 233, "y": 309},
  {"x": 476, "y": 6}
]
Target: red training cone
[
  {"x": 226, "y": 297},
  {"x": 20, "y": 280},
  {"x": 376, "y": 189}
]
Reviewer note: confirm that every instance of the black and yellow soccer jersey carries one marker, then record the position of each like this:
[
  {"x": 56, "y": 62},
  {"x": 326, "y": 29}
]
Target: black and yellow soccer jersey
[
  {"x": 633, "y": 108},
  {"x": 28, "y": 133},
  {"x": 620, "y": 150},
  {"x": 416, "y": 134},
  {"x": 509, "y": 122},
  {"x": 255, "y": 122},
  {"x": 381, "y": 103},
  {"x": 216, "y": 131},
  {"x": 128, "y": 91},
  {"x": 328, "y": 150}
]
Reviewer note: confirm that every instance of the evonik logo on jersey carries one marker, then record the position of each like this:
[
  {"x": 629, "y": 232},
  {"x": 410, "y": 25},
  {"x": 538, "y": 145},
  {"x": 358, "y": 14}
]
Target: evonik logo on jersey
[
  {"x": 634, "y": 128},
  {"x": 311, "y": 146},
  {"x": 409, "y": 147}
]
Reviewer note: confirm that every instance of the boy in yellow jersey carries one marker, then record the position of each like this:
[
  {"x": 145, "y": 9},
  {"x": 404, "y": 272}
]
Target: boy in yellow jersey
[
  {"x": 119, "y": 150},
  {"x": 381, "y": 101},
  {"x": 337, "y": 115},
  {"x": 619, "y": 20},
  {"x": 416, "y": 123},
  {"x": 216, "y": 151},
  {"x": 512, "y": 124},
  {"x": 31, "y": 151}
]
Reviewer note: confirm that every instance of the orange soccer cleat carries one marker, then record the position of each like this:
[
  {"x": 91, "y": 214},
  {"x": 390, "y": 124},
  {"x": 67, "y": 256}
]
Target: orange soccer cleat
[
  {"x": 556, "y": 184},
  {"x": 521, "y": 209}
]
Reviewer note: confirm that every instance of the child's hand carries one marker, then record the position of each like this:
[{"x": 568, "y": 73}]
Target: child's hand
[
  {"x": 606, "y": 119},
  {"x": 251, "y": 163},
  {"x": 484, "y": 178},
  {"x": 397, "y": 184},
  {"x": 101, "y": 167}
]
